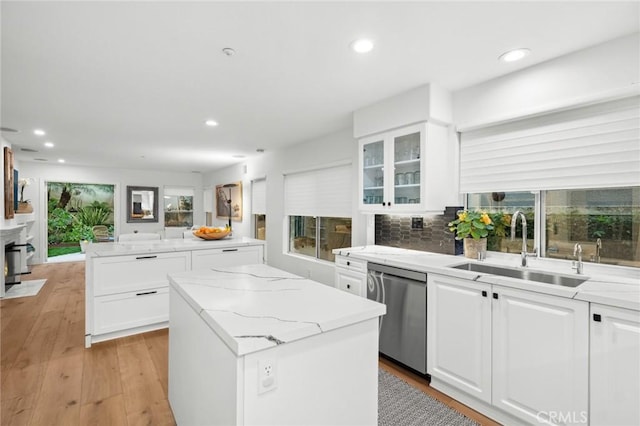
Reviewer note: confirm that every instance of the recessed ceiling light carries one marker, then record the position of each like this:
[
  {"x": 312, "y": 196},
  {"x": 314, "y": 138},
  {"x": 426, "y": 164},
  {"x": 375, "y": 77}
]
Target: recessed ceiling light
[
  {"x": 41, "y": 159},
  {"x": 211, "y": 123},
  {"x": 28, "y": 150},
  {"x": 238, "y": 156},
  {"x": 228, "y": 51},
  {"x": 260, "y": 150},
  {"x": 39, "y": 132},
  {"x": 8, "y": 129},
  {"x": 514, "y": 55},
  {"x": 60, "y": 160},
  {"x": 362, "y": 45},
  {"x": 49, "y": 144}
]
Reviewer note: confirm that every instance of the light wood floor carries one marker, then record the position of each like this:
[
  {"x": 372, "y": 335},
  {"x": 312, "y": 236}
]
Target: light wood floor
[{"x": 48, "y": 377}]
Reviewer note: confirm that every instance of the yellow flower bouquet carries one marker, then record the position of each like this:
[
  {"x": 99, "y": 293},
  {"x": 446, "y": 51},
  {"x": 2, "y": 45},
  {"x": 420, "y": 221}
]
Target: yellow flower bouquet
[{"x": 471, "y": 224}]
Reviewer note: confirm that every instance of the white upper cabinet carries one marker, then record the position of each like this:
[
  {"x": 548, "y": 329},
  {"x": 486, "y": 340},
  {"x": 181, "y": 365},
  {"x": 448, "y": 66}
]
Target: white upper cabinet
[
  {"x": 405, "y": 170},
  {"x": 406, "y": 153}
]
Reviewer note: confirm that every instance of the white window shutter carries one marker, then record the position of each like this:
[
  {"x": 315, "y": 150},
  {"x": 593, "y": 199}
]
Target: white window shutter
[
  {"x": 320, "y": 192},
  {"x": 259, "y": 196},
  {"x": 596, "y": 146}
]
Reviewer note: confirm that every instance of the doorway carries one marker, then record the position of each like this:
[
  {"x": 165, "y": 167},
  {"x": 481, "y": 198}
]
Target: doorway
[{"x": 77, "y": 214}]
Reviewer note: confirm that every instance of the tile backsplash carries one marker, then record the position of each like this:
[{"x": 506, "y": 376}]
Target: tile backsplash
[{"x": 395, "y": 231}]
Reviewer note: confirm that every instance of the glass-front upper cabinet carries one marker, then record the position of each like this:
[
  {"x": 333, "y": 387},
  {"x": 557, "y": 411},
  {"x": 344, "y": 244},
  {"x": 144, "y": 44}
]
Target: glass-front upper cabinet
[
  {"x": 373, "y": 178},
  {"x": 392, "y": 166}
]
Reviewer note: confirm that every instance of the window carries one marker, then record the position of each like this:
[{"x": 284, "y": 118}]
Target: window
[
  {"x": 318, "y": 204},
  {"x": 259, "y": 208},
  {"x": 605, "y": 221},
  {"x": 306, "y": 231},
  {"x": 178, "y": 207},
  {"x": 501, "y": 206},
  {"x": 260, "y": 221}
]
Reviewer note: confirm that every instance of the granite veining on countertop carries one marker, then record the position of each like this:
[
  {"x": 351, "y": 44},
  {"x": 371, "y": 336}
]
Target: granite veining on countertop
[
  {"x": 165, "y": 246},
  {"x": 604, "y": 284},
  {"x": 254, "y": 307}
]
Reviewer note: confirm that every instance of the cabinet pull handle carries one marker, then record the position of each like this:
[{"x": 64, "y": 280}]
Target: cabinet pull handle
[
  {"x": 348, "y": 263},
  {"x": 348, "y": 285},
  {"x": 225, "y": 250},
  {"x": 597, "y": 318},
  {"x": 146, "y": 292},
  {"x": 384, "y": 204},
  {"x": 495, "y": 295},
  {"x": 389, "y": 203},
  {"x": 146, "y": 257},
  {"x": 484, "y": 293}
]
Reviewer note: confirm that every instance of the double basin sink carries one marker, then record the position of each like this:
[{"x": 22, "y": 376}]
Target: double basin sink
[{"x": 523, "y": 274}]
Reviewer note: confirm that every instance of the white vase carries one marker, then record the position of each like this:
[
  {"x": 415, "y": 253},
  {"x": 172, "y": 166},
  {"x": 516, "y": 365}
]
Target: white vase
[{"x": 475, "y": 249}]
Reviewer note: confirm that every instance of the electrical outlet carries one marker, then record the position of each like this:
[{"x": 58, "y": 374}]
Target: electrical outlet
[{"x": 267, "y": 378}]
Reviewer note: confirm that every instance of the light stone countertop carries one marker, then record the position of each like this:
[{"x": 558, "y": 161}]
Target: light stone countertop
[
  {"x": 165, "y": 246},
  {"x": 605, "y": 284},
  {"x": 254, "y": 307}
]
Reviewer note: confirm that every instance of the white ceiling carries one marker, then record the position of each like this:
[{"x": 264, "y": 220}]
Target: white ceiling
[{"x": 130, "y": 84}]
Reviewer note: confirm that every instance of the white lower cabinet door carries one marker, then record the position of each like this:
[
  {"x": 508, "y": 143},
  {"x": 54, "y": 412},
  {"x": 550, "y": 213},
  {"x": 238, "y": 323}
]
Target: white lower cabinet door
[
  {"x": 459, "y": 333},
  {"x": 225, "y": 257},
  {"x": 118, "y": 312},
  {"x": 540, "y": 357},
  {"x": 615, "y": 366}
]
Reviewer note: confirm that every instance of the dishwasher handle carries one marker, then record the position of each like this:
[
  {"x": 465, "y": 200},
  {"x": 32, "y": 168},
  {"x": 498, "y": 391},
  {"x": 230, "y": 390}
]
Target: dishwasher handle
[{"x": 398, "y": 272}]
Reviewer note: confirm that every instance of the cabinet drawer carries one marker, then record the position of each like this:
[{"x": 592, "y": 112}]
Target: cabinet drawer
[
  {"x": 352, "y": 282},
  {"x": 121, "y": 274},
  {"x": 351, "y": 264},
  {"x": 225, "y": 257},
  {"x": 128, "y": 310}
]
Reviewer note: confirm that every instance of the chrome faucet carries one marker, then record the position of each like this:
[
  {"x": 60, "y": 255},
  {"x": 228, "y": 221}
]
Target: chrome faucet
[
  {"x": 523, "y": 253},
  {"x": 577, "y": 249},
  {"x": 598, "y": 249}
]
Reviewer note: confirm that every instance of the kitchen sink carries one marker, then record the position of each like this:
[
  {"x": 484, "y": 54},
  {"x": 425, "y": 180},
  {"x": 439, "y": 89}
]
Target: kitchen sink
[{"x": 523, "y": 274}]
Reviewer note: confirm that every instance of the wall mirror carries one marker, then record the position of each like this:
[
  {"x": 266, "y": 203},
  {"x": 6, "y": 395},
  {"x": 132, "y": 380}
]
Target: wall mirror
[{"x": 142, "y": 204}]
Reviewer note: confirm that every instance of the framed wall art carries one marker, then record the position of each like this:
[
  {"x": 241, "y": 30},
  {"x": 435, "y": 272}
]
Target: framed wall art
[
  {"x": 9, "y": 210},
  {"x": 229, "y": 199}
]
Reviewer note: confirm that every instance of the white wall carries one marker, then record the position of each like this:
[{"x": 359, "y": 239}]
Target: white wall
[
  {"x": 121, "y": 178},
  {"x": 595, "y": 73},
  {"x": 325, "y": 150}
]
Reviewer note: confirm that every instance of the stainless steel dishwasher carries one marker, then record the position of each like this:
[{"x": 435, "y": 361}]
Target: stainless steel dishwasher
[{"x": 403, "y": 330}]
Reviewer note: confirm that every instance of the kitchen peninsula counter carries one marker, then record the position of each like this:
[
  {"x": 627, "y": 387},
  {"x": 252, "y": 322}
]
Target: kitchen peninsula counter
[
  {"x": 168, "y": 245},
  {"x": 127, "y": 289},
  {"x": 254, "y": 344}
]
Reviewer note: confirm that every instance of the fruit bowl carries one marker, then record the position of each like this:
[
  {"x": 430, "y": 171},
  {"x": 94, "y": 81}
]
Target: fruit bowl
[{"x": 212, "y": 233}]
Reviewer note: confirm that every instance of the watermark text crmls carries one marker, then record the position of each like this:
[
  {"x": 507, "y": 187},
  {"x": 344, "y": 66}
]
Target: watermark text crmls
[{"x": 562, "y": 417}]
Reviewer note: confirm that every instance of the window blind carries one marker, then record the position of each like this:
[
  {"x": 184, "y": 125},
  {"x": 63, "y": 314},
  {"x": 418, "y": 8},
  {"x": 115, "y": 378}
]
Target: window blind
[
  {"x": 595, "y": 146},
  {"x": 325, "y": 191},
  {"x": 259, "y": 196}
]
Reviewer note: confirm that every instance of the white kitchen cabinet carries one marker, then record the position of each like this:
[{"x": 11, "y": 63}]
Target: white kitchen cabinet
[
  {"x": 459, "y": 332},
  {"x": 226, "y": 257},
  {"x": 125, "y": 311},
  {"x": 614, "y": 366},
  {"x": 401, "y": 170},
  {"x": 129, "y": 294},
  {"x": 540, "y": 348},
  {"x": 351, "y": 275},
  {"x": 120, "y": 274},
  {"x": 519, "y": 352}
]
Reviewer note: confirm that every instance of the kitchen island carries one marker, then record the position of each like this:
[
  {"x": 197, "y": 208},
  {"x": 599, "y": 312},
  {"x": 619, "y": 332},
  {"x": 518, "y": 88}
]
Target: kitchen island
[
  {"x": 127, "y": 290},
  {"x": 257, "y": 345}
]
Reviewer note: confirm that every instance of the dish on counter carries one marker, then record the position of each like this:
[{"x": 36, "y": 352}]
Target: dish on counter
[{"x": 212, "y": 232}]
